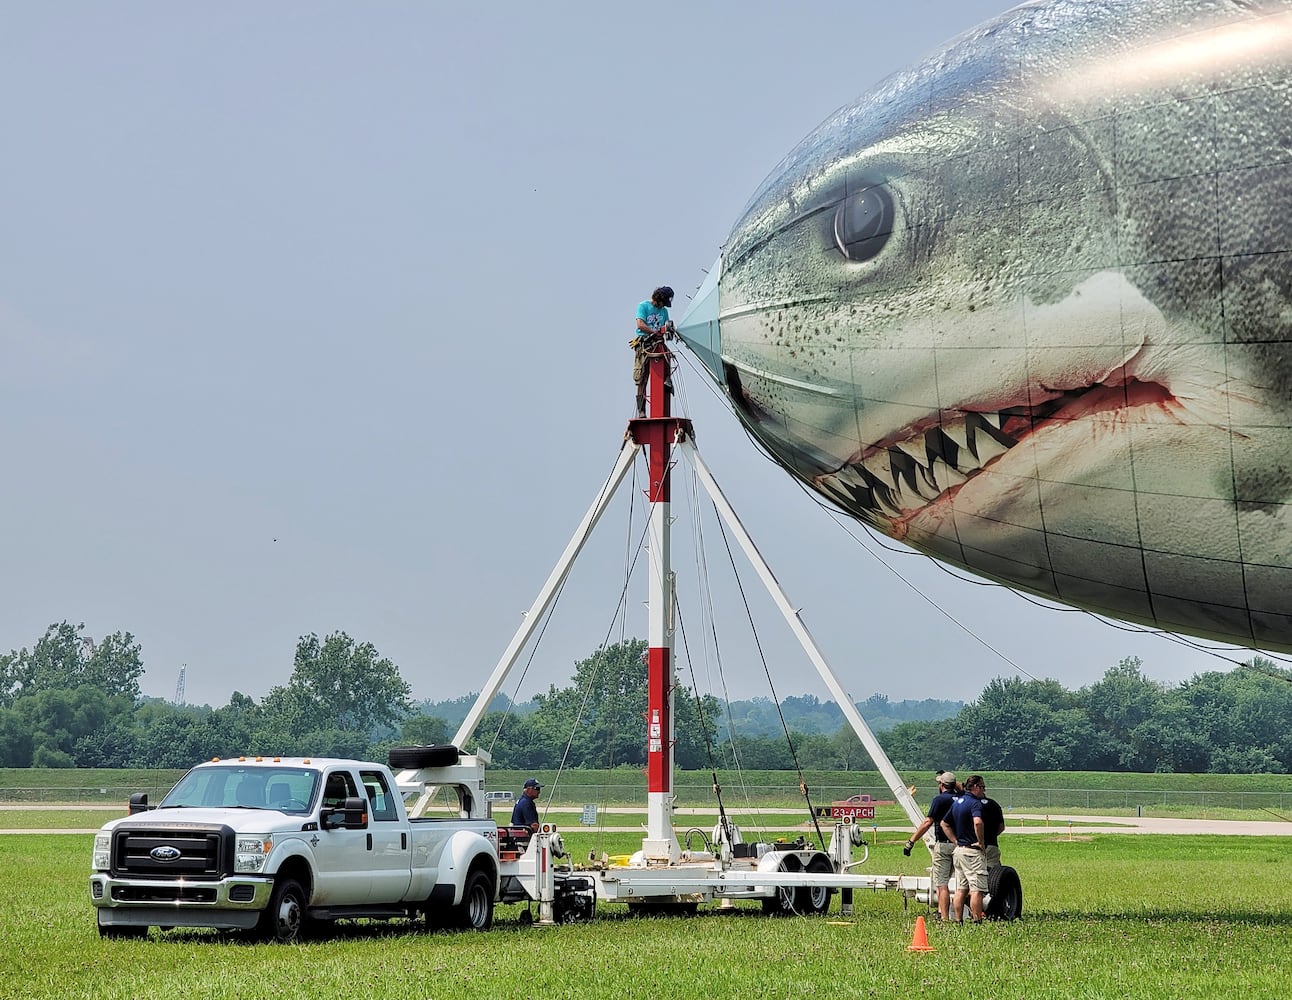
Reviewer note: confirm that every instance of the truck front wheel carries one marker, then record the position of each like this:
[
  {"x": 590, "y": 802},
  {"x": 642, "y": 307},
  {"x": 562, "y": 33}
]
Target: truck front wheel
[
  {"x": 475, "y": 912},
  {"x": 284, "y": 917}
]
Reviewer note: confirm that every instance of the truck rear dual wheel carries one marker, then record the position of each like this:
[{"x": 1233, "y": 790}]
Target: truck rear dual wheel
[{"x": 475, "y": 912}]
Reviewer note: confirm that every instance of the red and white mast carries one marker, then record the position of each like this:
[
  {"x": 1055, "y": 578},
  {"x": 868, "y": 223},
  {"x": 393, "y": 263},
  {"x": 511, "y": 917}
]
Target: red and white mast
[{"x": 657, "y": 433}]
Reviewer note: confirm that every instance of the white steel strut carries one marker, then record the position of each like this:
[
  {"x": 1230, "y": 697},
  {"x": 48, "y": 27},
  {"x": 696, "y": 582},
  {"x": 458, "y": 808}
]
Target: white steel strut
[{"x": 660, "y": 827}]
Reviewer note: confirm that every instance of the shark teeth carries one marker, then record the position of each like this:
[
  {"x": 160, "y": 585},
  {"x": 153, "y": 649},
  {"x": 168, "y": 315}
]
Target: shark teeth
[{"x": 908, "y": 475}]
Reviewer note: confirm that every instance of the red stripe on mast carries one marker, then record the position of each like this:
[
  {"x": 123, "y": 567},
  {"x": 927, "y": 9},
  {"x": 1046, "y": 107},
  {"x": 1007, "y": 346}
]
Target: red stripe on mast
[{"x": 657, "y": 433}]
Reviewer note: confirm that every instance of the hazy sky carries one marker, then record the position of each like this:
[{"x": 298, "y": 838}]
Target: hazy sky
[{"x": 313, "y": 317}]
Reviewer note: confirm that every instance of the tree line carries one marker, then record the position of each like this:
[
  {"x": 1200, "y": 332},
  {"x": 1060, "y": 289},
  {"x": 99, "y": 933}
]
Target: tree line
[
  {"x": 72, "y": 702},
  {"x": 1228, "y": 722}
]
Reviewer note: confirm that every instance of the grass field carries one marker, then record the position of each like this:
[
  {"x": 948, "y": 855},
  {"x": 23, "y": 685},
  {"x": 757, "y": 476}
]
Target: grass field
[
  {"x": 1209, "y": 796},
  {"x": 1105, "y": 916}
]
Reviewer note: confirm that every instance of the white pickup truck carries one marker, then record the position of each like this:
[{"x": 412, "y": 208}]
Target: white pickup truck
[{"x": 269, "y": 844}]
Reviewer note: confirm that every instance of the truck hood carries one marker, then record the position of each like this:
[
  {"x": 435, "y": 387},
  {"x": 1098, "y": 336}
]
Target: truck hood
[{"x": 238, "y": 820}]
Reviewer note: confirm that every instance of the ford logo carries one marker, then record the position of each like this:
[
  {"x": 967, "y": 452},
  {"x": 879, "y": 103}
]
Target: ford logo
[{"x": 165, "y": 853}]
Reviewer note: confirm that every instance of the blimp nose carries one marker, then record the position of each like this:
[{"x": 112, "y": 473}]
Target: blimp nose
[{"x": 698, "y": 327}]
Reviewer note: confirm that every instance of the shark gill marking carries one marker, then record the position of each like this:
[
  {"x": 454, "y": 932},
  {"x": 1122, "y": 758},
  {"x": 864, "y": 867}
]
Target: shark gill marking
[{"x": 897, "y": 479}]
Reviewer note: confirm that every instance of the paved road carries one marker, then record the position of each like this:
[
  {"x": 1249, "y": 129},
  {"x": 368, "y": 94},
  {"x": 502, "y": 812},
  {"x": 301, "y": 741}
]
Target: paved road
[{"x": 1026, "y": 823}]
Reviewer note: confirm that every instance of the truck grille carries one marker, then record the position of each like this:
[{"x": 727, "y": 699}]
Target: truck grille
[{"x": 189, "y": 852}]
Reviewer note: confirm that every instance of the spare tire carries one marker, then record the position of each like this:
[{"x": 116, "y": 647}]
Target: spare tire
[
  {"x": 1004, "y": 894},
  {"x": 432, "y": 756}
]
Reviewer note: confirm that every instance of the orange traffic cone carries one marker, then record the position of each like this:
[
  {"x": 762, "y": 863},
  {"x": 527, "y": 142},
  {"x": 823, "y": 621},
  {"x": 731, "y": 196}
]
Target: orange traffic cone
[{"x": 920, "y": 938}]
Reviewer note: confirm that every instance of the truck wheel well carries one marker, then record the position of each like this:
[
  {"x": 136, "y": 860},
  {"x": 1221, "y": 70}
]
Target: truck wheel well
[
  {"x": 483, "y": 863},
  {"x": 298, "y": 869}
]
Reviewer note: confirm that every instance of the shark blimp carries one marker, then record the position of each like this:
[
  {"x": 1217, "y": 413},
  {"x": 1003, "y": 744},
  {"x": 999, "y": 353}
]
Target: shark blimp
[{"x": 1027, "y": 308}]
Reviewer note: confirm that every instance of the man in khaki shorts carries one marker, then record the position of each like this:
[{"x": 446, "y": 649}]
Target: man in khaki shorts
[
  {"x": 993, "y": 822},
  {"x": 942, "y": 848},
  {"x": 969, "y": 857}
]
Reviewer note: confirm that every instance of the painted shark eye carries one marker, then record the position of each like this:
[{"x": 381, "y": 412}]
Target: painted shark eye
[{"x": 863, "y": 223}]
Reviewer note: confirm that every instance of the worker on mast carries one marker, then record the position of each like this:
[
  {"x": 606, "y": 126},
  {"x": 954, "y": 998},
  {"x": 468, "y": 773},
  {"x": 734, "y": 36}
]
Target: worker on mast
[{"x": 652, "y": 326}]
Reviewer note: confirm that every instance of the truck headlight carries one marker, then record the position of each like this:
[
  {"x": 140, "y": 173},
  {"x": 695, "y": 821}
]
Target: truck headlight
[
  {"x": 102, "y": 859},
  {"x": 250, "y": 854}
]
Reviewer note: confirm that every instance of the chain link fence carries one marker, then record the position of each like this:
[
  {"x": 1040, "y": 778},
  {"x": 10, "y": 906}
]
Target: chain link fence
[{"x": 575, "y": 795}]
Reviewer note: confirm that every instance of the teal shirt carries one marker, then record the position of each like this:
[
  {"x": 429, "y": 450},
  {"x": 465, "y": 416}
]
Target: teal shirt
[{"x": 652, "y": 315}]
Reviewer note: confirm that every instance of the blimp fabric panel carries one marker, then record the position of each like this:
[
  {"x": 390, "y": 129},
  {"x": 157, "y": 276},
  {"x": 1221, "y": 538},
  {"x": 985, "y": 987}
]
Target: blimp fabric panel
[
  {"x": 1182, "y": 577},
  {"x": 1095, "y": 561},
  {"x": 1128, "y": 600},
  {"x": 1253, "y": 125},
  {"x": 1103, "y": 513},
  {"x": 1168, "y": 524}
]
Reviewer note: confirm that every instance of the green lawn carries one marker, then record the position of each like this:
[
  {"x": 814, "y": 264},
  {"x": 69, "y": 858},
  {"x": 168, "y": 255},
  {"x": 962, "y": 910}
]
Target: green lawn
[
  {"x": 1065, "y": 793},
  {"x": 1105, "y": 916}
]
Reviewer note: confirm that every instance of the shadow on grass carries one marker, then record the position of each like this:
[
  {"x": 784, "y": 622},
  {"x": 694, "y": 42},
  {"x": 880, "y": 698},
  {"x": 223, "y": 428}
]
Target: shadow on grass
[{"x": 513, "y": 921}]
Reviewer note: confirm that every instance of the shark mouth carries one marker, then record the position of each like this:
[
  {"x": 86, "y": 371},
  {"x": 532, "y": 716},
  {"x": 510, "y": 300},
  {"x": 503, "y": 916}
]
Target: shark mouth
[{"x": 920, "y": 467}]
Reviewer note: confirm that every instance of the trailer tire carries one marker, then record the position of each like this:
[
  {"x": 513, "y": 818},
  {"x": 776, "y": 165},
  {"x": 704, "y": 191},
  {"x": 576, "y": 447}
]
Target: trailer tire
[
  {"x": 475, "y": 912},
  {"x": 787, "y": 900},
  {"x": 444, "y": 755},
  {"x": 816, "y": 899},
  {"x": 1005, "y": 892}
]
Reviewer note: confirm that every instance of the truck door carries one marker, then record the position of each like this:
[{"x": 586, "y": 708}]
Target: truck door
[
  {"x": 341, "y": 857},
  {"x": 391, "y": 856}
]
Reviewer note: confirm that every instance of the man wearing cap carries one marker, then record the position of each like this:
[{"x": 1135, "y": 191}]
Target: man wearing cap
[
  {"x": 652, "y": 315},
  {"x": 970, "y": 850},
  {"x": 525, "y": 811},
  {"x": 993, "y": 825},
  {"x": 942, "y": 848}
]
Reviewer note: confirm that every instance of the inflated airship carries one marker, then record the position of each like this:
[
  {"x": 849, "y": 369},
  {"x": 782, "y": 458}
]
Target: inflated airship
[{"x": 1027, "y": 307}]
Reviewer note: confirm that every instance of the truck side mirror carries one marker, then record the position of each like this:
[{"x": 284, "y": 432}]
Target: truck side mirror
[
  {"x": 352, "y": 814},
  {"x": 138, "y": 803}
]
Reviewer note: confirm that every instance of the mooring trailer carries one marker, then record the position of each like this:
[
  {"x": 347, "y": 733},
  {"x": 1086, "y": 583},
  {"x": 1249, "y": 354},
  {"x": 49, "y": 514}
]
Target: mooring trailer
[
  {"x": 662, "y": 876},
  {"x": 536, "y": 867}
]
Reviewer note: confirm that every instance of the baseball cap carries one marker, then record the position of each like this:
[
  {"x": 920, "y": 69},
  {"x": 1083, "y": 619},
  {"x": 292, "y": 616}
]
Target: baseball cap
[
  {"x": 531, "y": 783},
  {"x": 946, "y": 778}
]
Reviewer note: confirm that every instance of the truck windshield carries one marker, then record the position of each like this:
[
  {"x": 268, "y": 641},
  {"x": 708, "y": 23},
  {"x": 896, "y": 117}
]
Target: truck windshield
[{"x": 285, "y": 789}]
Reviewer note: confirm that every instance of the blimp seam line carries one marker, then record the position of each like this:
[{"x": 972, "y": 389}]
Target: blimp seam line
[
  {"x": 758, "y": 307},
  {"x": 1233, "y": 460},
  {"x": 785, "y": 380}
]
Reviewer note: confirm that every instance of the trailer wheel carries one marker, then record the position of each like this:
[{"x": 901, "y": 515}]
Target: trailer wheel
[
  {"x": 421, "y": 756},
  {"x": 284, "y": 918},
  {"x": 816, "y": 898},
  {"x": 787, "y": 900},
  {"x": 475, "y": 912},
  {"x": 1005, "y": 894}
]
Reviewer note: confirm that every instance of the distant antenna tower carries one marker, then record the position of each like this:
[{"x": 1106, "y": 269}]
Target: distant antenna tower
[{"x": 179, "y": 685}]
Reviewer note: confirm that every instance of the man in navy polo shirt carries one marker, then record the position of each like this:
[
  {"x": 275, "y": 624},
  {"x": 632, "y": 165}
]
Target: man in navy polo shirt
[
  {"x": 969, "y": 857},
  {"x": 942, "y": 848},
  {"x": 525, "y": 811}
]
